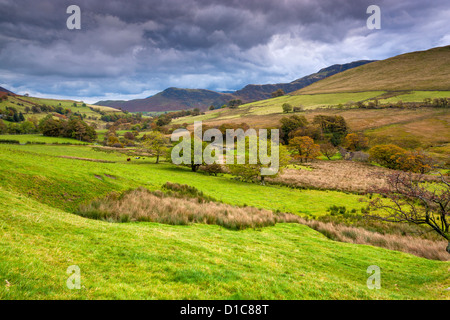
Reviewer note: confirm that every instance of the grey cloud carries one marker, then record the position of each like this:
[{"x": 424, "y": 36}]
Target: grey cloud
[{"x": 222, "y": 44}]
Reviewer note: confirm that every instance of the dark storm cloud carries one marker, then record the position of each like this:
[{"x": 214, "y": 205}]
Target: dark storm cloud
[{"x": 132, "y": 48}]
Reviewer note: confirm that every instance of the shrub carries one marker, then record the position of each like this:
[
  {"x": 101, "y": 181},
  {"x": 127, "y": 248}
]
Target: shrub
[
  {"x": 386, "y": 155},
  {"x": 212, "y": 169},
  {"x": 7, "y": 141}
]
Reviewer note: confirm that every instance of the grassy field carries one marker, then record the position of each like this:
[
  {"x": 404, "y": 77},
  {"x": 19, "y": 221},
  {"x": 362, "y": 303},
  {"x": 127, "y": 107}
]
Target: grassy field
[
  {"x": 40, "y": 190},
  {"x": 65, "y": 183}
]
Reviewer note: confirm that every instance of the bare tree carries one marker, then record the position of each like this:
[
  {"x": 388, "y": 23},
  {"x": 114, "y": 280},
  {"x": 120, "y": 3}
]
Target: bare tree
[{"x": 407, "y": 198}]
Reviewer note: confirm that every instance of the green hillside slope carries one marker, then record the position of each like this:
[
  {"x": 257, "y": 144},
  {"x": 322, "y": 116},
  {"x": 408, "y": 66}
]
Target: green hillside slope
[
  {"x": 154, "y": 261},
  {"x": 423, "y": 70},
  {"x": 21, "y": 103}
]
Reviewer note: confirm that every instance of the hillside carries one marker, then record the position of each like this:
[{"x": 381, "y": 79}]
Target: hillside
[
  {"x": 32, "y": 107},
  {"x": 422, "y": 70},
  {"x": 173, "y": 99},
  {"x": 287, "y": 261},
  {"x": 4, "y": 91}
]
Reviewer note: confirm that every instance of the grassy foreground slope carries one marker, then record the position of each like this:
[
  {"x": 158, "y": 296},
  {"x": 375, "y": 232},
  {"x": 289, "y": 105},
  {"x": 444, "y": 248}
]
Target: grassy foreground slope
[
  {"x": 154, "y": 261},
  {"x": 40, "y": 238},
  {"x": 422, "y": 70}
]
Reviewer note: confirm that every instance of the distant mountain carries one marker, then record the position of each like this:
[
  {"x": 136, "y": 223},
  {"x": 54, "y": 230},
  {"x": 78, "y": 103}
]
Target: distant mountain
[
  {"x": 182, "y": 99},
  {"x": 254, "y": 92},
  {"x": 421, "y": 70},
  {"x": 173, "y": 99}
]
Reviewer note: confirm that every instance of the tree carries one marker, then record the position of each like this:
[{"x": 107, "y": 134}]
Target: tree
[
  {"x": 51, "y": 127},
  {"x": 80, "y": 130},
  {"x": 163, "y": 120},
  {"x": 414, "y": 201},
  {"x": 304, "y": 148},
  {"x": 356, "y": 142},
  {"x": 328, "y": 150},
  {"x": 313, "y": 131},
  {"x": 386, "y": 155},
  {"x": 290, "y": 124},
  {"x": 35, "y": 109},
  {"x": 286, "y": 108},
  {"x": 333, "y": 127},
  {"x": 211, "y": 108},
  {"x": 156, "y": 142},
  {"x": 234, "y": 103},
  {"x": 278, "y": 93}
]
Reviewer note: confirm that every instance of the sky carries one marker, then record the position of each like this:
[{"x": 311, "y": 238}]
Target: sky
[{"x": 134, "y": 49}]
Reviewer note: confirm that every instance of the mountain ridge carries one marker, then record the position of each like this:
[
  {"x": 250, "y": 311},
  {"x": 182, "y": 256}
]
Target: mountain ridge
[
  {"x": 5, "y": 91},
  {"x": 180, "y": 99}
]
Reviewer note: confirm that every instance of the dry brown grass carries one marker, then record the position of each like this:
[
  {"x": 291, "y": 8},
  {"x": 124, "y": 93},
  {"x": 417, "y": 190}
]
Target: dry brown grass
[
  {"x": 143, "y": 205},
  {"x": 334, "y": 175},
  {"x": 422, "y": 70},
  {"x": 342, "y": 175},
  {"x": 419, "y": 247}
]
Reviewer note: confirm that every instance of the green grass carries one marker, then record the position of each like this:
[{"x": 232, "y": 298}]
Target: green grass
[
  {"x": 41, "y": 238},
  {"x": 274, "y": 105},
  {"x": 154, "y": 261}
]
